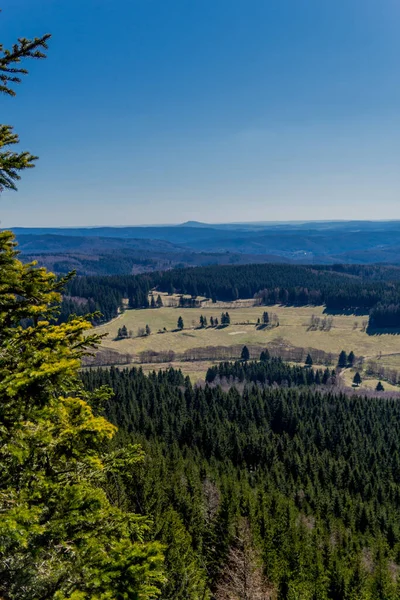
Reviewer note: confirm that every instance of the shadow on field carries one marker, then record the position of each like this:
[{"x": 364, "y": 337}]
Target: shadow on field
[
  {"x": 383, "y": 331},
  {"x": 349, "y": 312}
]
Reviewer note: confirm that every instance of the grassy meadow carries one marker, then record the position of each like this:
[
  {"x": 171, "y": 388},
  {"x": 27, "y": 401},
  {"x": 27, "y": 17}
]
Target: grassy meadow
[{"x": 347, "y": 332}]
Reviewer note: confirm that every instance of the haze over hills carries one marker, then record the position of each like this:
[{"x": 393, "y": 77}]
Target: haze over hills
[{"x": 140, "y": 248}]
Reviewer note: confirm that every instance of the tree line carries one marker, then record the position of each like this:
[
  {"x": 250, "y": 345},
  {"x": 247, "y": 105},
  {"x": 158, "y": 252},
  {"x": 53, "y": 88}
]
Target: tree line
[
  {"x": 268, "y": 284},
  {"x": 269, "y": 371}
]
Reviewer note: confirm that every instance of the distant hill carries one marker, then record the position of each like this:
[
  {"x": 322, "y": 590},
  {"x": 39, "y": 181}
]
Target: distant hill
[{"x": 196, "y": 243}]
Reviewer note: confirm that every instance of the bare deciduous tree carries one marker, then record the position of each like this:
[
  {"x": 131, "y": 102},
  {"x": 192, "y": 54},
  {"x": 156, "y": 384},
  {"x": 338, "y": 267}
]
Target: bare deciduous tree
[{"x": 242, "y": 577}]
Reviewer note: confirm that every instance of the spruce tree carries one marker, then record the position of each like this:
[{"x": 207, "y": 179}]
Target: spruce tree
[
  {"x": 180, "y": 323},
  {"x": 309, "y": 361},
  {"x": 159, "y": 301},
  {"x": 379, "y": 387},
  {"x": 264, "y": 356},
  {"x": 357, "y": 379},
  {"x": 351, "y": 358},
  {"x": 265, "y": 318},
  {"x": 342, "y": 362},
  {"x": 245, "y": 355},
  {"x": 60, "y": 535}
]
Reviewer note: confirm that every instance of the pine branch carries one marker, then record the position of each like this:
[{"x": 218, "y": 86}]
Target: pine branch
[
  {"x": 12, "y": 162},
  {"x": 24, "y": 48}
]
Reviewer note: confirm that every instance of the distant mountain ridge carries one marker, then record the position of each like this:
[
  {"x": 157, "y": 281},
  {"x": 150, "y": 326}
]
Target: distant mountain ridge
[{"x": 323, "y": 242}]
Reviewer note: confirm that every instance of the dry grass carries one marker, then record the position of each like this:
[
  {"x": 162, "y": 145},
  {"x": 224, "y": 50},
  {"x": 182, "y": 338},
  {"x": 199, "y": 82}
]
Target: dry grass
[{"x": 293, "y": 330}]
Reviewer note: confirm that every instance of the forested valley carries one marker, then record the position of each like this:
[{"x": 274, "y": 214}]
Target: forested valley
[
  {"x": 262, "y": 481},
  {"x": 272, "y": 493}
]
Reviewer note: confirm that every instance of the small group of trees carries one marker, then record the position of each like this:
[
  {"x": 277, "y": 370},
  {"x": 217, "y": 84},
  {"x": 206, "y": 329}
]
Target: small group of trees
[
  {"x": 345, "y": 361},
  {"x": 156, "y": 303},
  {"x": 204, "y": 323},
  {"x": 225, "y": 319},
  {"x": 316, "y": 323},
  {"x": 122, "y": 333},
  {"x": 144, "y": 331},
  {"x": 268, "y": 320},
  {"x": 265, "y": 355}
]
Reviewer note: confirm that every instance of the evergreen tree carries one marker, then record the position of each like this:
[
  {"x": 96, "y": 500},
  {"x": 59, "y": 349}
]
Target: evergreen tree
[
  {"x": 60, "y": 535},
  {"x": 245, "y": 355},
  {"x": 180, "y": 324},
  {"x": 148, "y": 330},
  {"x": 379, "y": 387},
  {"x": 357, "y": 379},
  {"x": 309, "y": 361},
  {"x": 350, "y": 359},
  {"x": 225, "y": 319},
  {"x": 159, "y": 302},
  {"x": 265, "y": 356},
  {"x": 265, "y": 318},
  {"x": 122, "y": 332},
  {"x": 212, "y": 321},
  {"x": 342, "y": 362},
  {"x": 153, "y": 302}
]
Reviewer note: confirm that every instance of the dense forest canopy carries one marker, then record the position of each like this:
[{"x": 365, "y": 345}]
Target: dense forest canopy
[{"x": 314, "y": 476}]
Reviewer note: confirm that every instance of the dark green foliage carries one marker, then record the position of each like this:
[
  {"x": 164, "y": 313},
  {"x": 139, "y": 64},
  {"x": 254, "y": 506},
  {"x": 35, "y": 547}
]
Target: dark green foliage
[
  {"x": 357, "y": 379},
  {"x": 351, "y": 358},
  {"x": 86, "y": 295},
  {"x": 295, "y": 285},
  {"x": 385, "y": 316},
  {"x": 379, "y": 387},
  {"x": 264, "y": 356},
  {"x": 342, "y": 288},
  {"x": 316, "y": 476},
  {"x": 309, "y": 361},
  {"x": 180, "y": 323},
  {"x": 245, "y": 355},
  {"x": 122, "y": 332},
  {"x": 203, "y": 321},
  {"x": 343, "y": 360},
  {"x": 265, "y": 318},
  {"x": 225, "y": 319},
  {"x": 159, "y": 302},
  {"x": 270, "y": 371}
]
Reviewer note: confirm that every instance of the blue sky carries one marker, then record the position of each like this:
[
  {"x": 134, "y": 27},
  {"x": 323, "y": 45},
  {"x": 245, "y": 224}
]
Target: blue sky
[{"x": 155, "y": 111}]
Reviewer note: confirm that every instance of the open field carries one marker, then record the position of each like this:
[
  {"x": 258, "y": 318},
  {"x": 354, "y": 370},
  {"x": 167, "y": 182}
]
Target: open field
[
  {"x": 293, "y": 331},
  {"x": 367, "y": 382}
]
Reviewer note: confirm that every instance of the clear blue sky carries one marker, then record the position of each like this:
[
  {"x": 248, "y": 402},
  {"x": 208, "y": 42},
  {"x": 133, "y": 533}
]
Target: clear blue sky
[{"x": 160, "y": 111}]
